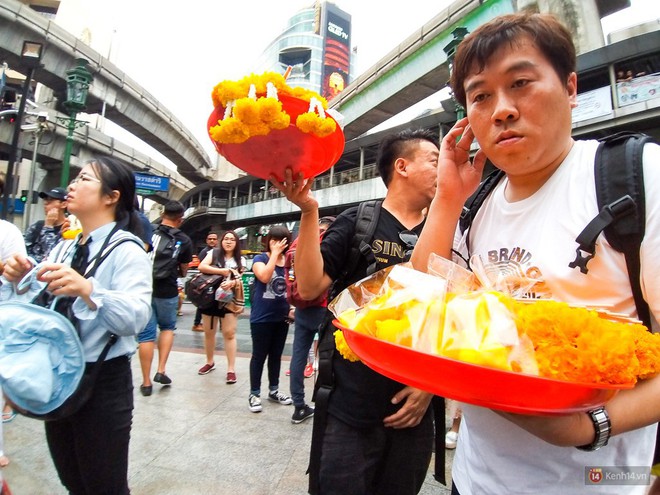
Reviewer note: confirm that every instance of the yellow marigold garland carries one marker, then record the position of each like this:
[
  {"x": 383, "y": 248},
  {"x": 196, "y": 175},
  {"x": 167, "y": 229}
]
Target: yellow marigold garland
[
  {"x": 343, "y": 348},
  {"x": 315, "y": 124},
  {"x": 262, "y": 114},
  {"x": 576, "y": 344}
]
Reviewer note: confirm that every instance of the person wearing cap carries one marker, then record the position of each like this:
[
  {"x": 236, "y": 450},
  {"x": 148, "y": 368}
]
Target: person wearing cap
[{"x": 42, "y": 235}]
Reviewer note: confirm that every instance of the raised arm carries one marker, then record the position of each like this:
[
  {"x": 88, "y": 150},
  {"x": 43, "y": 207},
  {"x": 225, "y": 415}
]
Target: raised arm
[
  {"x": 457, "y": 179},
  {"x": 310, "y": 276}
]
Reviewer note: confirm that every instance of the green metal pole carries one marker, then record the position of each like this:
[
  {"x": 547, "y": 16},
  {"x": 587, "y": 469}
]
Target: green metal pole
[{"x": 64, "y": 180}]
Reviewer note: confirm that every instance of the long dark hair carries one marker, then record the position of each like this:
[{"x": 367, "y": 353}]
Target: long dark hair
[
  {"x": 237, "y": 250},
  {"x": 116, "y": 176},
  {"x": 277, "y": 233}
]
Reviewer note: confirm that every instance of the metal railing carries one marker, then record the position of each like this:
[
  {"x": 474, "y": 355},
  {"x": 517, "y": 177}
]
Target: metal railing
[{"x": 323, "y": 182}]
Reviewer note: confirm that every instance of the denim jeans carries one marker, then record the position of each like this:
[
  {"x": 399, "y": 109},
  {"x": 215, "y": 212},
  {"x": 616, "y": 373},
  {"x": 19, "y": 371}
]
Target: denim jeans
[
  {"x": 163, "y": 315},
  {"x": 306, "y": 325}
]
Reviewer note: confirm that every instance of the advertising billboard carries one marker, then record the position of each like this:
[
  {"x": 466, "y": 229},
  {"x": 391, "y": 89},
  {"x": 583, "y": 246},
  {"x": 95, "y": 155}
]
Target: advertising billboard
[{"x": 336, "y": 30}]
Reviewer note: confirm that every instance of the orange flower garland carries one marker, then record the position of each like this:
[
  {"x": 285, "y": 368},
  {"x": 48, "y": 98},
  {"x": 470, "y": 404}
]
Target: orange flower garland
[{"x": 576, "y": 344}]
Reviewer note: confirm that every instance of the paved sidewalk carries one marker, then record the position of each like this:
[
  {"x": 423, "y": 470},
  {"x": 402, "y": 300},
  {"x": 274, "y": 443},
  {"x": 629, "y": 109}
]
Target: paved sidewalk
[{"x": 195, "y": 437}]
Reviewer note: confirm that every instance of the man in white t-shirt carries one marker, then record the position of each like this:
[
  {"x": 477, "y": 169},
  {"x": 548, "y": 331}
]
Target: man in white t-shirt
[
  {"x": 11, "y": 239},
  {"x": 516, "y": 78}
]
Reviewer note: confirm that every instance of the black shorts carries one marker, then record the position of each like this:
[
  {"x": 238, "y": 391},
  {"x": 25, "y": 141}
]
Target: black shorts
[{"x": 215, "y": 311}]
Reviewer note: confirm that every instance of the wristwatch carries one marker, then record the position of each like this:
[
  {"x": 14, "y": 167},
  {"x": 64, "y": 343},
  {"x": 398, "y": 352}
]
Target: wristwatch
[{"x": 603, "y": 427}]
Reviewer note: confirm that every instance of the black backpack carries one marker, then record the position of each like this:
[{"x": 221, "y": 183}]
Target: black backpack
[
  {"x": 165, "y": 252},
  {"x": 200, "y": 290},
  {"x": 366, "y": 222},
  {"x": 622, "y": 208}
]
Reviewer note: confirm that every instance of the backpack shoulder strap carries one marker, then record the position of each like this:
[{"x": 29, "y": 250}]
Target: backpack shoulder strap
[
  {"x": 215, "y": 257},
  {"x": 288, "y": 258},
  {"x": 365, "y": 227},
  {"x": 621, "y": 200},
  {"x": 475, "y": 201},
  {"x": 366, "y": 221},
  {"x": 169, "y": 231},
  {"x": 619, "y": 173}
]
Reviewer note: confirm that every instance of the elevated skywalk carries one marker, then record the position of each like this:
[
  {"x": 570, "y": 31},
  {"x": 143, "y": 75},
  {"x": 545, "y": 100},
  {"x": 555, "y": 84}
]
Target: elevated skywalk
[
  {"x": 126, "y": 103},
  {"x": 414, "y": 70}
]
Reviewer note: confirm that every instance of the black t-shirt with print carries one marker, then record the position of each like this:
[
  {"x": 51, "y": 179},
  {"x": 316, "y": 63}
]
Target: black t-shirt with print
[{"x": 361, "y": 397}]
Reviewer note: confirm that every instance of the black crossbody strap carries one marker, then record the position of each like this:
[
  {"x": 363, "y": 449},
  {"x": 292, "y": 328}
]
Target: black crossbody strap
[{"x": 475, "y": 202}]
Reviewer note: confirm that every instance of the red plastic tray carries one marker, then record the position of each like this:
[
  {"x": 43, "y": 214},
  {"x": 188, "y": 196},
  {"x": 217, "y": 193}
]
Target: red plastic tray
[
  {"x": 263, "y": 156},
  {"x": 474, "y": 384}
]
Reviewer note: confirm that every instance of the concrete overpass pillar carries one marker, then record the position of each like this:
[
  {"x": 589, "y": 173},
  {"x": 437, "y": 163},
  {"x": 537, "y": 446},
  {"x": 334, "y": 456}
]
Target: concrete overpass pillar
[{"x": 580, "y": 16}]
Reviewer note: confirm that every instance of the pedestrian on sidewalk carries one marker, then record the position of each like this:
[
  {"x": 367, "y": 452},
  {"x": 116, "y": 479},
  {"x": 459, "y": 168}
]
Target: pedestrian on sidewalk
[
  {"x": 11, "y": 243},
  {"x": 211, "y": 243},
  {"x": 221, "y": 261},
  {"x": 90, "y": 447},
  {"x": 308, "y": 317},
  {"x": 364, "y": 422},
  {"x": 269, "y": 317},
  {"x": 171, "y": 253},
  {"x": 516, "y": 77},
  {"x": 42, "y": 235}
]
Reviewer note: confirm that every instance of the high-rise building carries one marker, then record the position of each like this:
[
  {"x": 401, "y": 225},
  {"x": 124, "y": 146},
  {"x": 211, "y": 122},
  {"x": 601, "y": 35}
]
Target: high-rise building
[{"x": 316, "y": 44}]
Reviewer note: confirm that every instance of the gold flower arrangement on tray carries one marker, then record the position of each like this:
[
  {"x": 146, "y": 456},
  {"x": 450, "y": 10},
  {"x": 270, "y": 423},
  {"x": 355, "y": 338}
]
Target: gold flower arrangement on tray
[
  {"x": 253, "y": 108},
  {"x": 547, "y": 338}
]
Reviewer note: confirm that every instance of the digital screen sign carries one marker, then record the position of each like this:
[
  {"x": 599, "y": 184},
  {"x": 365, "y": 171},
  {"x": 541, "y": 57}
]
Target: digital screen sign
[{"x": 336, "y": 53}]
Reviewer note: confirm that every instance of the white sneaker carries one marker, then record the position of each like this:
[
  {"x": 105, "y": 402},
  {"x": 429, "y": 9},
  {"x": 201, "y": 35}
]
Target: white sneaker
[
  {"x": 450, "y": 439},
  {"x": 254, "y": 402}
]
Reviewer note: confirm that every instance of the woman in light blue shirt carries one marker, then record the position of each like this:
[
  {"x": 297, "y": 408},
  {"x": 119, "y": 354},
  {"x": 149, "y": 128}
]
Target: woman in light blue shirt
[{"x": 90, "y": 447}]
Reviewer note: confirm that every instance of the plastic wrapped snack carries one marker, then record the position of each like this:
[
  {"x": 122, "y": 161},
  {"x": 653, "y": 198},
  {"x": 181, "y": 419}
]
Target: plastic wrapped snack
[
  {"x": 74, "y": 228},
  {"x": 397, "y": 304}
]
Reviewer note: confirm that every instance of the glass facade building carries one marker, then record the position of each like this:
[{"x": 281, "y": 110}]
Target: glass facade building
[{"x": 316, "y": 44}]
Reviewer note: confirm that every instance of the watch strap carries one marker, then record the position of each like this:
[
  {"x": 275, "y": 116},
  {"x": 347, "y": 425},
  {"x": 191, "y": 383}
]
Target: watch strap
[{"x": 603, "y": 427}]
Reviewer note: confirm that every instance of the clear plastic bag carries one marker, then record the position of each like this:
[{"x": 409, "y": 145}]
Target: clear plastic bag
[
  {"x": 223, "y": 296},
  {"x": 446, "y": 312}
]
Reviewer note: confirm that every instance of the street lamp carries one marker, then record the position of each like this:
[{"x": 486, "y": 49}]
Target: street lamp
[
  {"x": 78, "y": 80},
  {"x": 37, "y": 130},
  {"x": 450, "y": 50},
  {"x": 30, "y": 59}
]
